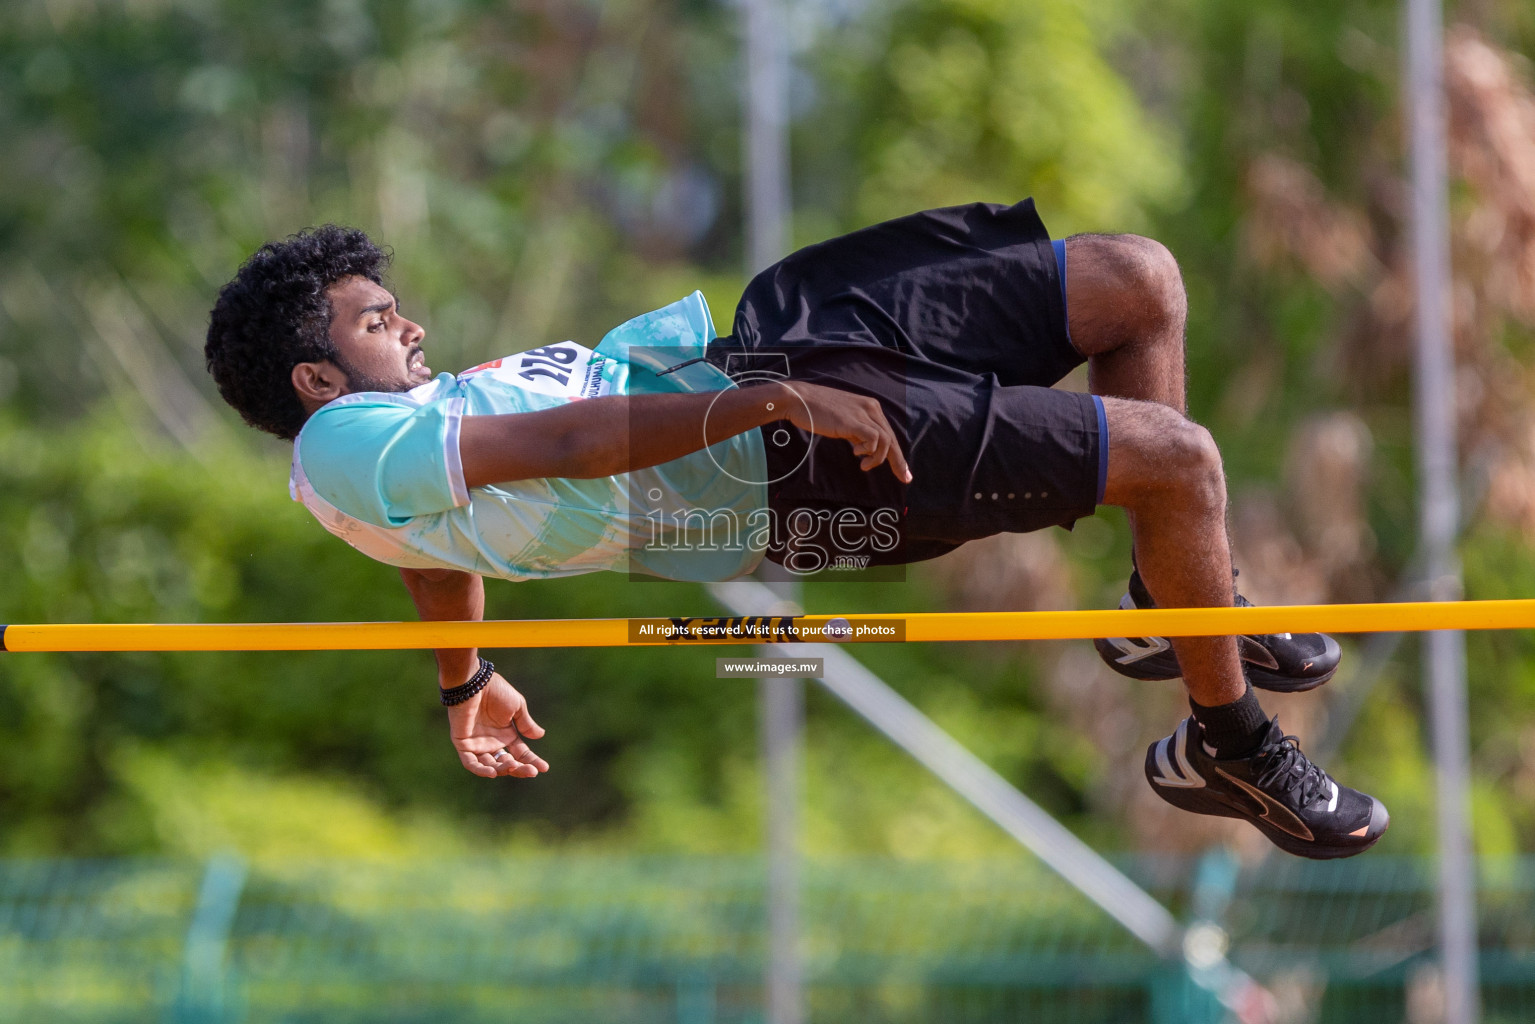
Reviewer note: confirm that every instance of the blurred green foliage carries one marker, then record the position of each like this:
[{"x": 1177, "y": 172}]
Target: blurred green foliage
[
  {"x": 546, "y": 170},
  {"x": 345, "y": 752}
]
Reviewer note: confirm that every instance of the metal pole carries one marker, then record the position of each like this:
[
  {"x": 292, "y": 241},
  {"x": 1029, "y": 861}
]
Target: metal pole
[
  {"x": 781, "y": 710},
  {"x": 205, "y": 994},
  {"x": 781, "y": 721},
  {"x": 975, "y": 781},
  {"x": 1444, "y": 655},
  {"x": 765, "y": 153},
  {"x": 766, "y": 144}
]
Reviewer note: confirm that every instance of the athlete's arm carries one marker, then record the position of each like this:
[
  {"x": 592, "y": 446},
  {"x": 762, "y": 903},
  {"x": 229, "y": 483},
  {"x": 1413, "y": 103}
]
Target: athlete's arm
[
  {"x": 488, "y": 730},
  {"x": 619, "y": 433}
]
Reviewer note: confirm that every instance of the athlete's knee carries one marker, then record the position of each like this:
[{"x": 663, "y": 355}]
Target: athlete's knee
[
  {"x": 1158, "y": 455},
  {"x": 1194, "y": 464},
  {"x": 1158, "y": 282},
  {"x": 1133, "y": 281}
]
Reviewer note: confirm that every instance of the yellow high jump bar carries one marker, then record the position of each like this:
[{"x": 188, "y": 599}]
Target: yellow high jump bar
[{"x": 714, "y": 630}]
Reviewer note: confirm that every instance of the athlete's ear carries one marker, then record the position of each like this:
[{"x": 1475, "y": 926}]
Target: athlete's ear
[{"x": 318, "y": 383}]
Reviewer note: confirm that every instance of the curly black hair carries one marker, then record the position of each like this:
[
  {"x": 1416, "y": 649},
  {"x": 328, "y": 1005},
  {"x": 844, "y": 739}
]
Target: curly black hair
[{"x": 274, "y": 315}]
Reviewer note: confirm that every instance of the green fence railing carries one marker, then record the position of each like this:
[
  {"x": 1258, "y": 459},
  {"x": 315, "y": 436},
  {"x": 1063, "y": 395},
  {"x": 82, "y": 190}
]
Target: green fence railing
[{"x": 567, "y": 939}]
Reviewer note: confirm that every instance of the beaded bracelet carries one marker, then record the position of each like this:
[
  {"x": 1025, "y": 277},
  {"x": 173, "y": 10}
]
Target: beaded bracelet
[{"x": 476, "y": 683}]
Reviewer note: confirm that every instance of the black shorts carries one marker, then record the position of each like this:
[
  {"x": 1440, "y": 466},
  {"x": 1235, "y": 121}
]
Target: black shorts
[{"x": 955, "y": 320}]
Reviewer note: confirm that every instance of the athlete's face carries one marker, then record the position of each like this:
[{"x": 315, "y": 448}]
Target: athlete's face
[{"x": 377, "y": 348}]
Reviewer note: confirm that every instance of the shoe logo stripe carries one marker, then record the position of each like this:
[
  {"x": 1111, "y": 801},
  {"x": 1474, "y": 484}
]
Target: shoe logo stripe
[
  {"x": 1133, "y": 649},
  {"x": 1253, "y": 651},
  {"x": 1185, "y": 777},
  {"x": 1274, "y": 812}
]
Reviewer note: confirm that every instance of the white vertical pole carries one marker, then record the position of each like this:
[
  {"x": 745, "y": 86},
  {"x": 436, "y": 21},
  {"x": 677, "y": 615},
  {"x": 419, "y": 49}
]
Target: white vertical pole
[
  {"x": 765, "y": 147},
  {"x": 1444, "y": 652},
  {"x": 1053, "y": 843},
  {"x": 781, "y": 710},
  {"x": 765, "y": 153},
  {"x": 781, "y": 718}
]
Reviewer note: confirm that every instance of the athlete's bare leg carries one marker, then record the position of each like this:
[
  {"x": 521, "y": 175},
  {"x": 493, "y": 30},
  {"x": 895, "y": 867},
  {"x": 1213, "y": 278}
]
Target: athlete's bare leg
[
  {"x": 1165, "y": 470},
  {"x": 1127, "y": 312}
]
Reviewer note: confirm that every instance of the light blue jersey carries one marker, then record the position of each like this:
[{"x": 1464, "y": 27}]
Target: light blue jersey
[{"x": 383, "y": 472}]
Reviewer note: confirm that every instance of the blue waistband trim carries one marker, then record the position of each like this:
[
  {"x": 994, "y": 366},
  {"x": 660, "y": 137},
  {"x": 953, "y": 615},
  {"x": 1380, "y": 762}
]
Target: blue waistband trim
[
  {"x": 1103, "y": 448},
  {"x": 1059, "y": 247}
]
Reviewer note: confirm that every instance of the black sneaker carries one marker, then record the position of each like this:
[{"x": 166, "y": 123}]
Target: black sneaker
[
  {"x": 1286, "y": 662},
  {"x": 1292, "y": 801}
]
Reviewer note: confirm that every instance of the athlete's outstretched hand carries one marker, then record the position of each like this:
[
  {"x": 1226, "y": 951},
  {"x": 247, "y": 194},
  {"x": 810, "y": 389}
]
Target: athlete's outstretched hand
[
  {"x": 857, "y": 419},
  {"x": 490, "y": 731}
]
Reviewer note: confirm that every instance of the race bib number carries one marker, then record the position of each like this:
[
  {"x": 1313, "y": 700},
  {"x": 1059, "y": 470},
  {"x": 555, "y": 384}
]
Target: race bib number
[{"x": 568, "y": 370}]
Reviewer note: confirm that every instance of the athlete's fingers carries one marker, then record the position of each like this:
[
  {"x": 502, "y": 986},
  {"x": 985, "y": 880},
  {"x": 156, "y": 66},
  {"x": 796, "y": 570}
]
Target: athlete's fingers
[
  {"x": 875, "y": 456},
  {"x": 472, "y": 763},
  {"x": 506, "y": 763},
  {"x": 898, "y": 462},
  {"x": 891, "y": 450},
  {"x": 509, "y": 764},
  {"x": 887, "y": 449},
  {"x": 525, "y": 724},
  {"x": 522, "y": 753}
]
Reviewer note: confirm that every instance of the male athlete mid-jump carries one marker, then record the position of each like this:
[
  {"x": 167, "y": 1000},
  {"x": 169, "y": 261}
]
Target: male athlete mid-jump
[{"x": 886, "y": 394}]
